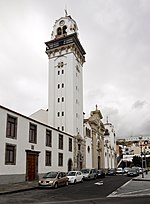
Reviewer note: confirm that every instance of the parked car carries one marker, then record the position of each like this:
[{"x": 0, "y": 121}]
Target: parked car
[
  {"x": 120, "y": 171},
  {"x": 53, "y": 179},
  {"x": 89, "y": 174},
  {"x": 133, "y": 172},
  {"x": 126, "y": 169},
  {"x": 137, "y": 169},
  {"x": 111, "y": 172},
  {"x": 100, "y": 173},
  {"x": 75, "y": 176}
]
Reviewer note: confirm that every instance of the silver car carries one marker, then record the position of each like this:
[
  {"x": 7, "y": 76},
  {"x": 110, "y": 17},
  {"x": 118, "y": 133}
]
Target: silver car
[{"x": 53, "y": 179}]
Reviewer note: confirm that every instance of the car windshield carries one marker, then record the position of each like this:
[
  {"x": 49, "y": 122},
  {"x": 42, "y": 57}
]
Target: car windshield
[
  {"x": 85, "y": 171},
  {"x": 132, "y": 170},
  {"x": 71, "y": 173},
  {"x": 50, "y": 175}
]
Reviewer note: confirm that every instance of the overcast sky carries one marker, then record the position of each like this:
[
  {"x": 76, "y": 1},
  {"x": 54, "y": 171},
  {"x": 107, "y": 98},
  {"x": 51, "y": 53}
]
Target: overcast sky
[{"x": 116, "y": 37}]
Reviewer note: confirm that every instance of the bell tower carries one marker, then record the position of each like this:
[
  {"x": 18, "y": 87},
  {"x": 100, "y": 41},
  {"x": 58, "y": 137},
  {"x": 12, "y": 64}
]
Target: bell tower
[{"x": 65, "y": 92}]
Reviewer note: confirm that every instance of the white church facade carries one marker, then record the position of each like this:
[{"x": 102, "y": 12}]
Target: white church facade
[{"x": 57, "y": 138}]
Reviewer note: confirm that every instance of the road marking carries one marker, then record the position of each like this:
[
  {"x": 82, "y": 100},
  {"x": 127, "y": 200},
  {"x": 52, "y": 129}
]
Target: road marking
[
  {"x": 99, "y": 183},
  {"x": 129, "y": 194}
]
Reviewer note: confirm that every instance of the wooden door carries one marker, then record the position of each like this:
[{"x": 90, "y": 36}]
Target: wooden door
[{"x": 32, "y": 166}]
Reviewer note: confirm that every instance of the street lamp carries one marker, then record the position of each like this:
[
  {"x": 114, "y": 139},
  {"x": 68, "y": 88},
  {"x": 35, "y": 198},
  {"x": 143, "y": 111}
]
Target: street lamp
[{"x": 140, "y": 138}]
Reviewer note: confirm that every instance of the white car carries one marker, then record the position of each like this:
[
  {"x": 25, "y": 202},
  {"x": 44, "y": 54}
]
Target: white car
[{"x": 75, "y": 176}]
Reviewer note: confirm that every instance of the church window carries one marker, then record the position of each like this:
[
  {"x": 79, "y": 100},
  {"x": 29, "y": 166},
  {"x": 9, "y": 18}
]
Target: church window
[
  {"x": 88, "y": 149},
  {"x": 62, "y": 85},
  {"x": 79, "y": 146},
  {"x": 58, "y": 72},
  {"x": 62, "y": 128},
  {"x": 70, "y": 144},
  {"x": 58, "y": 114},
  {"x": 62, "y": 113},
  {"x": 59, "y": 31},
  {"x": 64, "y": 29},
  {"x": 58, "y": 86},
  {"x": 62, "y": 71},
  {"x": 61, "y": 64},
  {"x": 58, "y": 100},
  {"x": 62, "y": 99}
]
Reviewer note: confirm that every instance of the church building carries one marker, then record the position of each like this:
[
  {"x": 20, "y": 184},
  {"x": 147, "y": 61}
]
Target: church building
[{"x": 59, "y": 138}]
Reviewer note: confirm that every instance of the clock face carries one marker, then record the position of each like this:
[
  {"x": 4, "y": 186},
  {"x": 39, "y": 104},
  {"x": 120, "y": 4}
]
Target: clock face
[{"x": 62, "y": 22}]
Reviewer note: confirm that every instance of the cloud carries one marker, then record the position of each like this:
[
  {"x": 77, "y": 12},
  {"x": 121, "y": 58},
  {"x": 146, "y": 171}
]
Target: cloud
[{"x": 139, "y": 104}]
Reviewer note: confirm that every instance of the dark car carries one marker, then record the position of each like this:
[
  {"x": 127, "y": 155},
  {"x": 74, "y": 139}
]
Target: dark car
[
  {"x": 133, "y": 172},
  {"x": 100, "y": 173},
  {"x": 111, "y": 172}
]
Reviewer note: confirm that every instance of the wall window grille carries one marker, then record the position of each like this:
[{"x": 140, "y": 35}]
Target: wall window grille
[
  {"x": 33, "y": 133},
  {"x": 70, "y": 144},
  {"x": 60, "y": 159},
  {"x": 11, "y": 130},
  {"x": 48, "y": 158},
  {"x": 48, "y": 138},
  {"x": 10, "y": 154},
  {"x": 60, "y": 146}
]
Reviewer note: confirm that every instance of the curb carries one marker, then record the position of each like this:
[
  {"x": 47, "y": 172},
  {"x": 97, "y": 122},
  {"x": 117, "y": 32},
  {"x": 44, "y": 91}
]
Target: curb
[
  {"x": 138, "y": 179},
  {"x": 18, "y": 190}
]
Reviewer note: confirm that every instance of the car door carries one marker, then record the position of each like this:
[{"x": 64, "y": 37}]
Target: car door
[
  {"x": 79, "y": 176},
  {"x": 60, "y": 179}
]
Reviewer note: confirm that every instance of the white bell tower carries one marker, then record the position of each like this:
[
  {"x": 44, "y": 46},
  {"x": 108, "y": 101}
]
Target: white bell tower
[{"x": 65, "y": 91}]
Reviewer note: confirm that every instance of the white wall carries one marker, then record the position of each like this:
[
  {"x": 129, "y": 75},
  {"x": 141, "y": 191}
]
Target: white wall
[{"x": 22, "y": 142}]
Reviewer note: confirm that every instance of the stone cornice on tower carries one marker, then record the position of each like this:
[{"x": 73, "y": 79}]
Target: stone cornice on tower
[{"x": 64, "y": 45}]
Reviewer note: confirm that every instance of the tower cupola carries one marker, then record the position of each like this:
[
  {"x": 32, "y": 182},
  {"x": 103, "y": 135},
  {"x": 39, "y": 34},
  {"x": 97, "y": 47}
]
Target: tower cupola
[{"x": 63, "y": 27}]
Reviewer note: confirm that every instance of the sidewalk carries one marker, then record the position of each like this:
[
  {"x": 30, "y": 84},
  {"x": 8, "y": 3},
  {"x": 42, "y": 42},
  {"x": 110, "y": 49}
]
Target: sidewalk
[
  {"x": 139, "y": 178},
  {"x": 17, "y": 187},
  {"x": 135, "y": 187}
]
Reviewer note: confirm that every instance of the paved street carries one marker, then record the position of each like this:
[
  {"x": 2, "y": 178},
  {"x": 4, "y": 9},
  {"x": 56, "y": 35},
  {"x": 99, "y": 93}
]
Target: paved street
[{"x": 113, "y": 189}]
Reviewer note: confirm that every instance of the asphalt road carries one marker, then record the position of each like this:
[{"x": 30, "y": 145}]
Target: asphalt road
[{"x": 92, "y": 192}]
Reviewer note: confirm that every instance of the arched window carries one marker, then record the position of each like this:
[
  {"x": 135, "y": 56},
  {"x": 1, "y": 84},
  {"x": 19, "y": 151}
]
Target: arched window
[
  {"x": 59, "y": 31},
  {"x": 64, "y": 29}
]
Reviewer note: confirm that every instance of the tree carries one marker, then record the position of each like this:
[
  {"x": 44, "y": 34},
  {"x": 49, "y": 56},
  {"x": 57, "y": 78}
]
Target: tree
[{"x": 136, "y": 161}]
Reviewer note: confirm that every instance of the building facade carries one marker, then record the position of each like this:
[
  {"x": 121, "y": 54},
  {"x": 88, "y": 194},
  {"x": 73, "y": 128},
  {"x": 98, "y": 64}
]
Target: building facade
[
  {"x": 65, "y": 96},
  {"x": 29, "y": 148},
  {"x": 110, "y": 155}
]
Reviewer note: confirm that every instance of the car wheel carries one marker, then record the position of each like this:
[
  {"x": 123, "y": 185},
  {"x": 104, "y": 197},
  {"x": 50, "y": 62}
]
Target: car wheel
[
  {"x": 56, "y": 185},
  {"x": 75, "y": 181}
]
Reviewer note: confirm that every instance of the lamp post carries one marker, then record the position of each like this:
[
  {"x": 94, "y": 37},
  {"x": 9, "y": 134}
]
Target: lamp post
[{"x": 140, "y": 138}]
